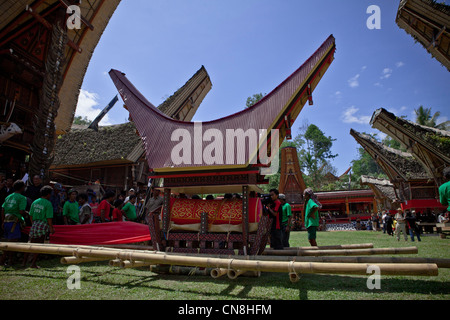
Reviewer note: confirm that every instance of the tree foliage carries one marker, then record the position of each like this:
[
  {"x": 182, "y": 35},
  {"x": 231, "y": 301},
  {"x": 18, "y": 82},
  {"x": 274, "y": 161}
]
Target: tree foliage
[{"x": 81, "y": 121}]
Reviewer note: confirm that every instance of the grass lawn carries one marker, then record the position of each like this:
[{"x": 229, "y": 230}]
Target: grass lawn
[{"x": 99, "y": 281}]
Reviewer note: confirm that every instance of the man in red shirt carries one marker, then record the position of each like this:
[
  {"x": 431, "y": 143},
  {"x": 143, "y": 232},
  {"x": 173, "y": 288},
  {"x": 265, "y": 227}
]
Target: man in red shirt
[
  {"x": 104, "y": 208},
  {"x": 275, "y": 209}
]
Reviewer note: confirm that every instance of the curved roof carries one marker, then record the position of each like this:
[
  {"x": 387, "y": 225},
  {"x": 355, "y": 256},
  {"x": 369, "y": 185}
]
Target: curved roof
[{"x": 283, "y": 103}]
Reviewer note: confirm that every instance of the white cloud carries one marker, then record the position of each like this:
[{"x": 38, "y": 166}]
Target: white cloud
[
  {"x": 387, "y": 72},
  {"x": 87, "y": 107},
  {"x": 399, "y": 64},
  {"x": 354, "y": 81},
  {"x": 377, "y": 84},
  {"x": 349, "y": 116}
]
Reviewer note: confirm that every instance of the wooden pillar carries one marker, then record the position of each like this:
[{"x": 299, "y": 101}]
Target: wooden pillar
[
  {"x": 375, "y": 207},
  {"x": 347, "y": 206},
  {"x": 166, "y": 210},
  {"x": 245, "y": 227}
]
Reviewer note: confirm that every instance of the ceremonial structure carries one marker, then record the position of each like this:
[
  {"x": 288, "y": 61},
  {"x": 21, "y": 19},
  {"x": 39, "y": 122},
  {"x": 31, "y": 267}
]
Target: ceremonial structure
[
  {"x": 219, "y": 226},
  {"x": 430, "y": 150},
  {"x": 42, "y": 66},
  {"x": 384, "y": 191},
  {"x": 115, "y": 154},
  {"x": 428, "y": 22},
  {"x": 291, "y": 184}
]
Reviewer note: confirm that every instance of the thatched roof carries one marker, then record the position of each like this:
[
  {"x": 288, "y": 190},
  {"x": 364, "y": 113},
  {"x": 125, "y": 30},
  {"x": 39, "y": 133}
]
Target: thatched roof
[
  {"x": 111, "y": 144},
  {"x": 186, "y": 97},
  {"x": 121, "y": 143},
  {"x": 430, "y": 146},
  {"x": 428, "y": 22},
  {"x": 383, "y": 187},
  {"x": 396, "y": 164}
]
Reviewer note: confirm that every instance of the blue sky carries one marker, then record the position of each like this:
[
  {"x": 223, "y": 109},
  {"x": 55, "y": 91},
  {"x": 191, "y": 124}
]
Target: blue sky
[{"x": 251, "y": 46}]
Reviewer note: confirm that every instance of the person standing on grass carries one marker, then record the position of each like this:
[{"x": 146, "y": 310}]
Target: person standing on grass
[
  {"x": 117, "y": 215},
  {"x": 311, "y": 208},
  {"x": 285, "y": 220},
  {"x": 413, "y": 228},
  {"x": 389, "y": 223},
  {"x": 104, "y": 208},
  {"x": 275, "y": 212},
  {"x": 13, "y": 213},
  {"x": 41, "y": 215},
  {"x": 129, "y": 209},
  {"x": 71, "y": 210},
  {"x": 444, "y": 190},
  {"x": 401, "y": 225},
  {"x": 85, "y": 209}
]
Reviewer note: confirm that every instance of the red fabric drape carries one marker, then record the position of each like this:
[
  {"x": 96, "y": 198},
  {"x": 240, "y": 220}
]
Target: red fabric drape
[{"x": 100, "y": 233}]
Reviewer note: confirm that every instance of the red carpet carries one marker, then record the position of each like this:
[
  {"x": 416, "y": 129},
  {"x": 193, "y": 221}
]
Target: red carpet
[{"x": 100, "y": 233}]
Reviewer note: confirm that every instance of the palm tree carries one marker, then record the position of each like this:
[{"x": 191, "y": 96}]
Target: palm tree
[{"x": 424, "y": 117}]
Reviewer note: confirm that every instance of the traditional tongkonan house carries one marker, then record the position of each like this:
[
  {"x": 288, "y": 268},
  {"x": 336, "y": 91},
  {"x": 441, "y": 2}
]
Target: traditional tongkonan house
[
  {"x": 221, "y": 156},
  {"x": 115, "y": 155},
  {"x": 42, "y": 66},
  {"x": 291, "y": 179},
  {"x": 384, "y": 192},
  {"x": 428, "y": 22},
  {"x": 413, "y": 185}
]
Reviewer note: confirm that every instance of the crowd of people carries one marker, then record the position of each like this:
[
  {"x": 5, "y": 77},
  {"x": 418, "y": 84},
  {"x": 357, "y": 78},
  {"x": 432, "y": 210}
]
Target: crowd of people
[
  {"x": 42, "y": 207},
  {"x": 406, "y": 222}
]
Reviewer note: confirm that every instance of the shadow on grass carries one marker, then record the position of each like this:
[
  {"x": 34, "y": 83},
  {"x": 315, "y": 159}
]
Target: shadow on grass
[{"x": 269, "y": 286}]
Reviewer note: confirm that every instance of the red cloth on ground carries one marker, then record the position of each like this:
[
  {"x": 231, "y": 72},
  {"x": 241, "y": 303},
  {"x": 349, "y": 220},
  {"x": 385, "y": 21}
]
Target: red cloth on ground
[{"x": 100, "y": 233}]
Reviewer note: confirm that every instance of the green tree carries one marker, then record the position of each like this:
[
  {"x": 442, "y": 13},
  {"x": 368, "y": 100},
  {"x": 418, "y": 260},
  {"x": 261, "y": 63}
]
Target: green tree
[
  {"x": 425, "y": 117},
  {"x": 81, "y": 121},
  {"x": 254, "y": 99},
  {"x": 314, "y": 150}
]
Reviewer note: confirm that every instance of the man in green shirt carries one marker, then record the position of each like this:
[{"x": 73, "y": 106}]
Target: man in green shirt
[
  {"x": 311, "y": 208},
  {"x": 286, "y": 219},
  {"x": 130, "y": 208},
  {"x": 13, "y": 212},
  {"x": 444, "y": 190},
  {"x": 41, "y": 214},
  {"x": 71, "y": 209}
]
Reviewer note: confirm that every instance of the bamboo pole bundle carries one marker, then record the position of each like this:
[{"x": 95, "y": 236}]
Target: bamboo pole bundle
[
  {"x": 342, "y": 252},
  {"x": 235, "y": 264}
]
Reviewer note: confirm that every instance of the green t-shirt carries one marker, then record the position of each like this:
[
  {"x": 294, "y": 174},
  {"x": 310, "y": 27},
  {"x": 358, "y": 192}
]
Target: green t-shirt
[
  {"x": 444, "y": 195},
  {"x": 287, "y": 212},
  {"x": 309, "y": 221},
  {"x": 130, "y": 211},
  {"x": 14, "y": 203},
  {"x": 41, "y": 210},
  {"x": 71, "y": 210}
]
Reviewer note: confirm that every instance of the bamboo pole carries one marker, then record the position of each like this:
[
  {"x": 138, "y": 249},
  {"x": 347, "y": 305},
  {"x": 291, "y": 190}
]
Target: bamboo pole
[
  {"x": 440, "y": 262},
  {"x": 342, "y": 252},
  {"x": 218, "y": 272},
  {"x": 342, "y": 246},
  {"x": 75, "y": 260}
]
